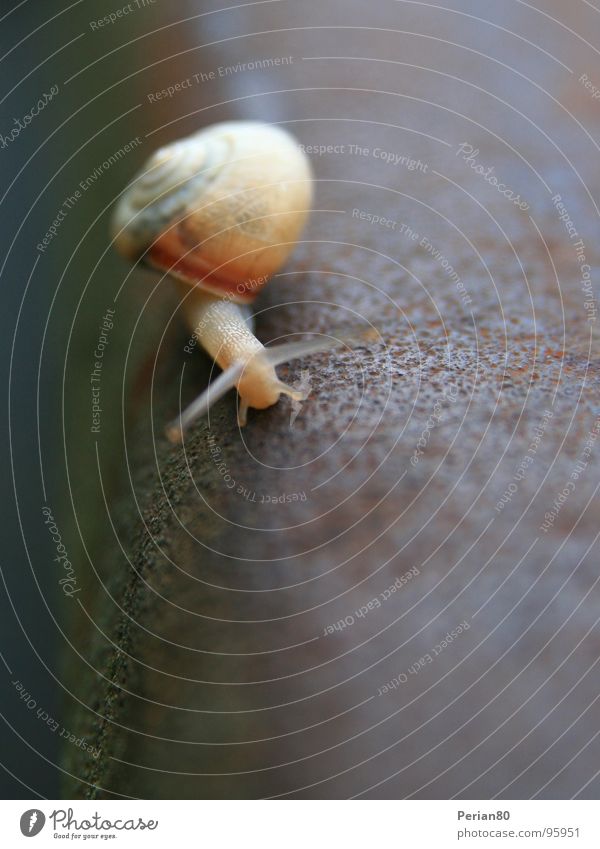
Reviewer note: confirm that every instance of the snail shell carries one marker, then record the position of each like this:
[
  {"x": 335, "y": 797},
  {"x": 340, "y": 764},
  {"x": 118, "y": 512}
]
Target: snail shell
[{"x": 220, "y": 209}]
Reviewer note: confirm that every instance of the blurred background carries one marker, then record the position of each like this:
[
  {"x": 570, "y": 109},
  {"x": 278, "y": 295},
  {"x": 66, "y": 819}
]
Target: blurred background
[{"x": 408, "y": 77}]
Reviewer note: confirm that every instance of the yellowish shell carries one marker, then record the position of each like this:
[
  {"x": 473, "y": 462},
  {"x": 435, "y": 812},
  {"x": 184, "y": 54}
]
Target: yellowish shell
[{"x": 221, "y": 209}]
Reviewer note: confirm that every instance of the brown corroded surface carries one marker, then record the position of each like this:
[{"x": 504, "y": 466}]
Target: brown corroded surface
[{"x": 248, "y": 631}]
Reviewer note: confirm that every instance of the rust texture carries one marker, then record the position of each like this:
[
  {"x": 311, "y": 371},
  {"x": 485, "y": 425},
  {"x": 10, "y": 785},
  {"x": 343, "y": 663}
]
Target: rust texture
[{"x": 225, "y": 669}]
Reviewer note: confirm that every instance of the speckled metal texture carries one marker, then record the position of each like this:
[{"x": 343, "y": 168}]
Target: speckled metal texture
[{"x": 397, "y": 595}]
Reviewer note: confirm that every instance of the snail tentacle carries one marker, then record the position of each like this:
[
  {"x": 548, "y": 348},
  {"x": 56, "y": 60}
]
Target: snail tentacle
[{"x": 202, "y": 404}]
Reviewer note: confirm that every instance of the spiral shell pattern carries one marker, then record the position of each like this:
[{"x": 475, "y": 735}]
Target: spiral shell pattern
[
  {"x": 162, "y": 192},
  {"x": 220, "y": 209}
]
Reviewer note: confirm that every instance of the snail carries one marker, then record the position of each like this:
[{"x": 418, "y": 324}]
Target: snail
[{"x": 220, "y": 211}]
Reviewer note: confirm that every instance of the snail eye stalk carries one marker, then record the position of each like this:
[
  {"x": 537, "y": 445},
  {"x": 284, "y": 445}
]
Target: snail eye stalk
[{"x": 273, "y": 356}]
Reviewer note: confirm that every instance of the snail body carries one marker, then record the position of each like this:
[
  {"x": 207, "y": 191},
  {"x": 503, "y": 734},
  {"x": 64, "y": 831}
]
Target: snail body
[{"x": 220, "y": 211}]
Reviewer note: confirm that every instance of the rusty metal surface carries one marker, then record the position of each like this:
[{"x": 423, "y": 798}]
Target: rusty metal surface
[{"x": 256, "y": 648}]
